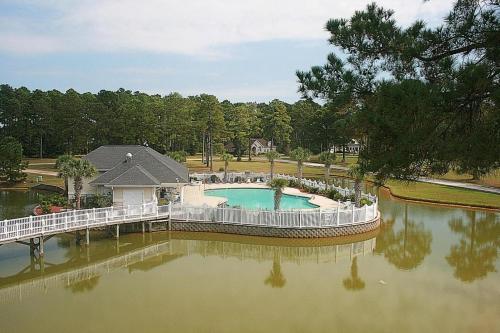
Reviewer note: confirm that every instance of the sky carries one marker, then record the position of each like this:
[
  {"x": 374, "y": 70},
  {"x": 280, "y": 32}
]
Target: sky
[{"x": 241, "y": 50}]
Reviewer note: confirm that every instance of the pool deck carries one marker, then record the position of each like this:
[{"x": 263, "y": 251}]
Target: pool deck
[{"x": 194, "y": 194}]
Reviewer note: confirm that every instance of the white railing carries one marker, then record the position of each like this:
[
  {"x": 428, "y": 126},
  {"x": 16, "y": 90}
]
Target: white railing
[
  {"x": 305, "y": 218},
  {"x": 34, "y": 226}
]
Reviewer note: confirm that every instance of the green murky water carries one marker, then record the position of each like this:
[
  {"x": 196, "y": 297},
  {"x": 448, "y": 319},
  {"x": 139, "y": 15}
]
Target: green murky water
[{"x": 428, "y": 269}]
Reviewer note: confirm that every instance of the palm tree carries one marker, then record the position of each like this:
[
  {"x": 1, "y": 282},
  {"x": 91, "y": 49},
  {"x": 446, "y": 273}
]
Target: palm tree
[
  {"x": 78, "y": 169},
  {"x": 272, "y": 155},
  {"x": 278, "y": 184},
  {"x": 226, "y": 157},
  {"x": 327, "y": 159},
  {"x": 300, "y": 155},
  {"x": 62, "y": 167},
  {"x": 276, "y": 278},
  {"x": 354, "y": 282},
  {"x": 357, "y": 172}
]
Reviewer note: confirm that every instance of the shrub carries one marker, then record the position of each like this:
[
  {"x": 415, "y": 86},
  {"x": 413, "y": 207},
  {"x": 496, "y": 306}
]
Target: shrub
[
  {"x": 98, "y": 201},
  {"x": 293, "y": 183},
  {"x": 221, "y": 169},
  {"x": 47, "y": 201},
  {"x": 365, "y": 201}
]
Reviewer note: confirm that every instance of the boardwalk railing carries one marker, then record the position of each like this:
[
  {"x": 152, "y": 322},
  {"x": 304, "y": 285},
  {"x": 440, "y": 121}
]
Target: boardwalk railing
[{"x": 35, "y": 226}]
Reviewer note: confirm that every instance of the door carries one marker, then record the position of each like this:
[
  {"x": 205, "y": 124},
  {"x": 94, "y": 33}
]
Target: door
[{"x": 134, "y": 199}]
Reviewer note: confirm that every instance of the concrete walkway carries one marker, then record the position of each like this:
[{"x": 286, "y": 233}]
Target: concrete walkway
[
  {"x": 451, "y": 183},
  {"x": 463, "y": 185},
  {"x": 194, "y": 194},
  {"x": 41, "y": 172}
]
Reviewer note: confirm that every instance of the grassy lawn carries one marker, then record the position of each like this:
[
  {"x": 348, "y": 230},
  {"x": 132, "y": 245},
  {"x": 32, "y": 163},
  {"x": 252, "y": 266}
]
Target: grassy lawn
[
  {"x": 443, "y": 194},
  {"x": 31, "y": 181},
  {"x": 42, "y": 164},
  {"x": 255, "y": 166},
  {"x": 413, "y": 191},
  {"x": 349, "y": 159}
]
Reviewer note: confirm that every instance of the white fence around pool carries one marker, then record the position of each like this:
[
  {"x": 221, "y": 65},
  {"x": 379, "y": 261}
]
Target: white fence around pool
[{"x": 304, "y": 218}]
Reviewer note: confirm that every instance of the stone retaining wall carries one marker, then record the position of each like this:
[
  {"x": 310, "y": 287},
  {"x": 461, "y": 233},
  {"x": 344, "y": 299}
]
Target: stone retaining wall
[{"x": 276, "y": 232}]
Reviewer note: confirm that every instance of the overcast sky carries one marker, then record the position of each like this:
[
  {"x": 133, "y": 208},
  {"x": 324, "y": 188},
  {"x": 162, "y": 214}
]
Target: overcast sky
[{"x": 244, "y": 50}]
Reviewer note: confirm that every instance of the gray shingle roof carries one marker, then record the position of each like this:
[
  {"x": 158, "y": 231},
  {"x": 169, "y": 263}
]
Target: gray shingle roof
[
  {"x": 107, "y": 157},
  {"x": 149, "y": 167},
  {"x": 136, "y": 175}
]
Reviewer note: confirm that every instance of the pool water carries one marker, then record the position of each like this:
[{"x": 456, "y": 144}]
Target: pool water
[{"x": 259, "y": 198}]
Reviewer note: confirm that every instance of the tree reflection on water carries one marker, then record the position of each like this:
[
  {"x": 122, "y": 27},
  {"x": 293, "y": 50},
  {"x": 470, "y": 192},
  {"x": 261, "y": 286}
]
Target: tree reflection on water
[
  {"x": 354, "y": 282},
  {"x": 475, "y": 254},
  {"x": 276, "y": 279},
  {"x": 407, "y": 248}
]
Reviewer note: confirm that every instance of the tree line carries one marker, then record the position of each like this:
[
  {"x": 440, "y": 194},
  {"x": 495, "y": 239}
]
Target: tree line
[{"x": 51, "y": 123}]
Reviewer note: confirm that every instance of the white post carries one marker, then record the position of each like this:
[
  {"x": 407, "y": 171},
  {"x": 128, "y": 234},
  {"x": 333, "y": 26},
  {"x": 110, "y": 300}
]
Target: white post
[
  {"x": 366, "y": 213},
  {"x": 31, "y": 222},
  {"x": 111, "y": 212},
  {"x": 170, "y": 215},
  {"x": 338, "y": 215},
  {"x": 352, "y": 213},
  {"x": 300, "y": 218},
  {"x": 93, "y": 214}
]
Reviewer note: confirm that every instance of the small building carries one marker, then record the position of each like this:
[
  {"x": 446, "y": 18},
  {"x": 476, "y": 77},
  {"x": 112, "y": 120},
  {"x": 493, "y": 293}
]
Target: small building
[
  {"x": 352, "y": 147},
  {"x": 133, "y": 174},
  {"x": 261, "y": 146}
]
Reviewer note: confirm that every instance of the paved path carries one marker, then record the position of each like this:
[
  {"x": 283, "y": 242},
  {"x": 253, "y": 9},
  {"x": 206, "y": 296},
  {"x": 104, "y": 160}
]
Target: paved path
[
  {"x": 467, "y": 186},
  {"x": 41, "y": 172}
]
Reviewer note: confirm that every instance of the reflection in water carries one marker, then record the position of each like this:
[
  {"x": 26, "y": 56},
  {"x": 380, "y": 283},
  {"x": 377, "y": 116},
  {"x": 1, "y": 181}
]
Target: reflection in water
[
  {"x": 354, "y": 282},
  {"x": 82, "y": 269},
  {"x": 84, "y": 285},
  {"x": 475, "y": 254},
  {"x": 407, "y": 248},
  {"x": 276, "y": 279}
]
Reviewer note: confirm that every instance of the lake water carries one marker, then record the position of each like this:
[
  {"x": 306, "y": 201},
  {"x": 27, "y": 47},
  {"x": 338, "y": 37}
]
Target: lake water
[{"x": 428, "y": 269}]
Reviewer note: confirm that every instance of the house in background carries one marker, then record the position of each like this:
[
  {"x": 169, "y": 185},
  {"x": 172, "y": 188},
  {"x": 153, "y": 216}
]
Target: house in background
[
  {"x": 261, "y": 146},
  {"x": 352, "y": 147},
  {"x": 133, "y": 174}
]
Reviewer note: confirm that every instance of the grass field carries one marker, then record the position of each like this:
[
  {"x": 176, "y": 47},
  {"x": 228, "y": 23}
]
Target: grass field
[{"x": 443, "y": 194}]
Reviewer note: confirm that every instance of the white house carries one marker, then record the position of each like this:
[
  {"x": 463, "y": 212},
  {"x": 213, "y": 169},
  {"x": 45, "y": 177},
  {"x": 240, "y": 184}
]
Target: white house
[
  {"x": 261, "y": 146},
  {"x": 352, "y": 147},
  {"x": 132, "y": 174}
]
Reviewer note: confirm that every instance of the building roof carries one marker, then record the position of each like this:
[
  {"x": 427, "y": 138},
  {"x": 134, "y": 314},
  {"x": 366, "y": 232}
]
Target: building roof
[
  {"x": 105, "y": 158},
  {"x": 134, "y": 176},
  {"x": 262, "y": 142},
  {"x": 146, "y": 167}
]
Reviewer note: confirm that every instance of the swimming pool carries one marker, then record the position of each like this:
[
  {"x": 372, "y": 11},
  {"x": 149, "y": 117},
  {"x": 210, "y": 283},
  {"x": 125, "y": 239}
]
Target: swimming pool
[{"x": 259, "y": 198}]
